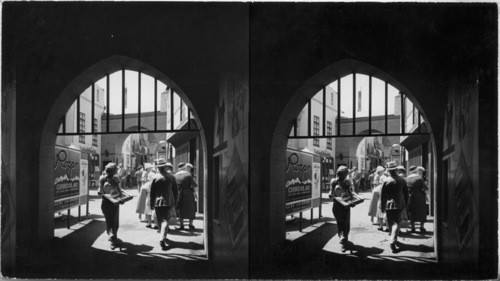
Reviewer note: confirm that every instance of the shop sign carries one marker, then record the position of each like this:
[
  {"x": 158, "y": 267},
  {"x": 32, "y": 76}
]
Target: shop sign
[
  {"x": 64, "y": 204},
  {"x": 298, "y": 176},
  {"x": 298, "y": 206},
  {"x": 66, "y": 178},
  {"x": 84, "y": 182},
  {"x": 316, "y": 180}
]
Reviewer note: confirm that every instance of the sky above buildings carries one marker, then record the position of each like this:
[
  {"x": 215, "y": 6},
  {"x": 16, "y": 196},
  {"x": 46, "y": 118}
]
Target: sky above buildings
[
  {"x": 362, "y": 99},
  {"x": 346, "y": 91},
  {"x": 132, "y": 96}
]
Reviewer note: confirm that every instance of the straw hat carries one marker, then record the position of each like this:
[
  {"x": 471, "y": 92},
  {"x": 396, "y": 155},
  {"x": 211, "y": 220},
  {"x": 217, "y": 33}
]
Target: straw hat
[
  {"x": 379, "y": 168},
  {"x": 391, "y": 166},
  {"x": 160, "y": 163}
]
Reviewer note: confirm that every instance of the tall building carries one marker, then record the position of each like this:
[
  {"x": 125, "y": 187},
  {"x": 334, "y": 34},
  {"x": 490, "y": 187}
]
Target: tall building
[
  {"x": 89, "y": 145},
  {"x": 321, "y": 146}
]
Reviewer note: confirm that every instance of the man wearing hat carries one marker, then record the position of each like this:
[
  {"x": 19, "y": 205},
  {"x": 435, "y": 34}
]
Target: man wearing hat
[
  {"x": 394, "y": 197},
  {"x": 417, "y": 209},
  {"x": 356, "y": 177},
  {"x": 188, "y": 193},
  {"x": 401, "y": 171},
  {"x": 163, "y": 198}
]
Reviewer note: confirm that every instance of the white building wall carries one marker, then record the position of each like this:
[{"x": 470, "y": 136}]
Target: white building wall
[
  {"x": 72, "y": 120},
  {"x": 317, "y": 110}
]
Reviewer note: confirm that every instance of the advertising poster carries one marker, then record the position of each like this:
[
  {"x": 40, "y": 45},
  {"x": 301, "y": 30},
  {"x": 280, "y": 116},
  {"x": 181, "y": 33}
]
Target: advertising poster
[
  {"x": 84, "y": 180},
  {"x": 316, "y": 180},
  {"x": 298, "y": 175},
  {"x": 66, "y": 178},
  {"x": 298, "y": 181}
]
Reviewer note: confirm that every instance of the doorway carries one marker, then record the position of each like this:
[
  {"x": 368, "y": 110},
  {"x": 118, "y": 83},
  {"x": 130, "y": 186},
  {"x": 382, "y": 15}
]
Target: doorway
[
  {"x": 126, "y": 116},
  {"x": 361, "y": 120}
]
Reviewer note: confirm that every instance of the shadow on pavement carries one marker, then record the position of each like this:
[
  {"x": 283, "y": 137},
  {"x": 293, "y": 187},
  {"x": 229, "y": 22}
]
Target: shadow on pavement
[
  {"x": 414, "y": 248},
  {"x": 73, "y": 257},
  {"x": 362, "y": 251},
  {"x": 304, "y": 258},
  {"x": 184, "y": 245},
  {"x": 185, "y": 232},
  {"x": 133, "y": 249},
  {"x": 416, "y": 235},
  {"x": 62, "y": 222},
  {"x": 294, "y": 223}
]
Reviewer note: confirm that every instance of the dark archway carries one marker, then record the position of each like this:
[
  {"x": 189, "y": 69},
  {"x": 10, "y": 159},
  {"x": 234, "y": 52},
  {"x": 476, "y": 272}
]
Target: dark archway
[
  {"x": 286, "y": 122},
  {"x": 58, "y": 110}
]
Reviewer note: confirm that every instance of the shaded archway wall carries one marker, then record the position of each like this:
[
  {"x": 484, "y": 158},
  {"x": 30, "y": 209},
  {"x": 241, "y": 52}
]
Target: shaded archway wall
[
  {"x": 272, "y": 207},
  {"x": 58, "y": 111},
  {"x": 47, "y": 46}
]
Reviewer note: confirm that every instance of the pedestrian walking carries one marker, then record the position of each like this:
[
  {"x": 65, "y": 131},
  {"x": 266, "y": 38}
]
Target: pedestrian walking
[
  {"x": 122, "y": 174},
  {"x": 143, "y": 205},
  {"x": 340, "y": 189},
  {"x": 356, "y": 177},
  {"x": 401, "y": 171},
  {"x": 393, "y": 202},
  {"x": 138, "y": 177},
  {"x": 163, "y": 197},
  {"x": 110, "y": 184},
  {"x": 371, "y": 178},
  {"x": 417, "y": 209},
  {"x": 374, "y": 210},
  {"x": 188, "y": 193}
]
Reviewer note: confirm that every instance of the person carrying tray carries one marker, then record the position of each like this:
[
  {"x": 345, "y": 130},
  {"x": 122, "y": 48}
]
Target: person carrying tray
[
  {"x": 340, "y": 191},
  {"x": 110, "y": 187}
]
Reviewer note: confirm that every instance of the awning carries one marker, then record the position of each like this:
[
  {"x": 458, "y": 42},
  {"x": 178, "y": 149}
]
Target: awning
[
  {"x": 412, "y": 141},
  {"x": 180, "y": 138}
]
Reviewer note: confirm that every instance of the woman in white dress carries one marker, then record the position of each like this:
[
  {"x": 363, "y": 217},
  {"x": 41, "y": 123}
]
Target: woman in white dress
[
  {"x": 147, "y": 176},
  {"x": 375, "y": 209}
]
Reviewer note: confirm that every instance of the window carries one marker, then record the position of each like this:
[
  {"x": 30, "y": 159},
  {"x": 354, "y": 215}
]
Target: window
[
  {"x": 94, "y": 137},
  {"x": 332, "y": 97},
  {"x": 329, "y": 132},
  {"x": 359, "y": 101},
  {"x": 181, "y": 111},
  {"x": 316, "y": 130},
  {"x": 81, "y": 124},
  {"x": 97, "y": 94}
]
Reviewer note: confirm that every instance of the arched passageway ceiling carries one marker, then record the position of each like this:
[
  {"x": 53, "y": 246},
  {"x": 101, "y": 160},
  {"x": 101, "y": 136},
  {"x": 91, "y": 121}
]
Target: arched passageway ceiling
[
  {"x": 333, "y": 72},
  {"x": 64, "y": 101},
  {"x": 100, "y": 70}
]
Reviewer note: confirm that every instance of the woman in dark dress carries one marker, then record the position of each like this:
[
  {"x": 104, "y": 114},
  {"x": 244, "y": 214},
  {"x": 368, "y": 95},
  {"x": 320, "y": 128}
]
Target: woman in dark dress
[
  {"x": 340, "y": 189},
  {"x": 110, "y": 184},
  {"x": 186, "y": 203},
  {"x": 417, "y": 209}
]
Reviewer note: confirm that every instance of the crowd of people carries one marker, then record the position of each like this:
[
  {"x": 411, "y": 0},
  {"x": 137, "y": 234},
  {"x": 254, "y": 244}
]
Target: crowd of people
[
  {"x": 395, "y": 197},
  {"x": 163, "y": 196}
]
